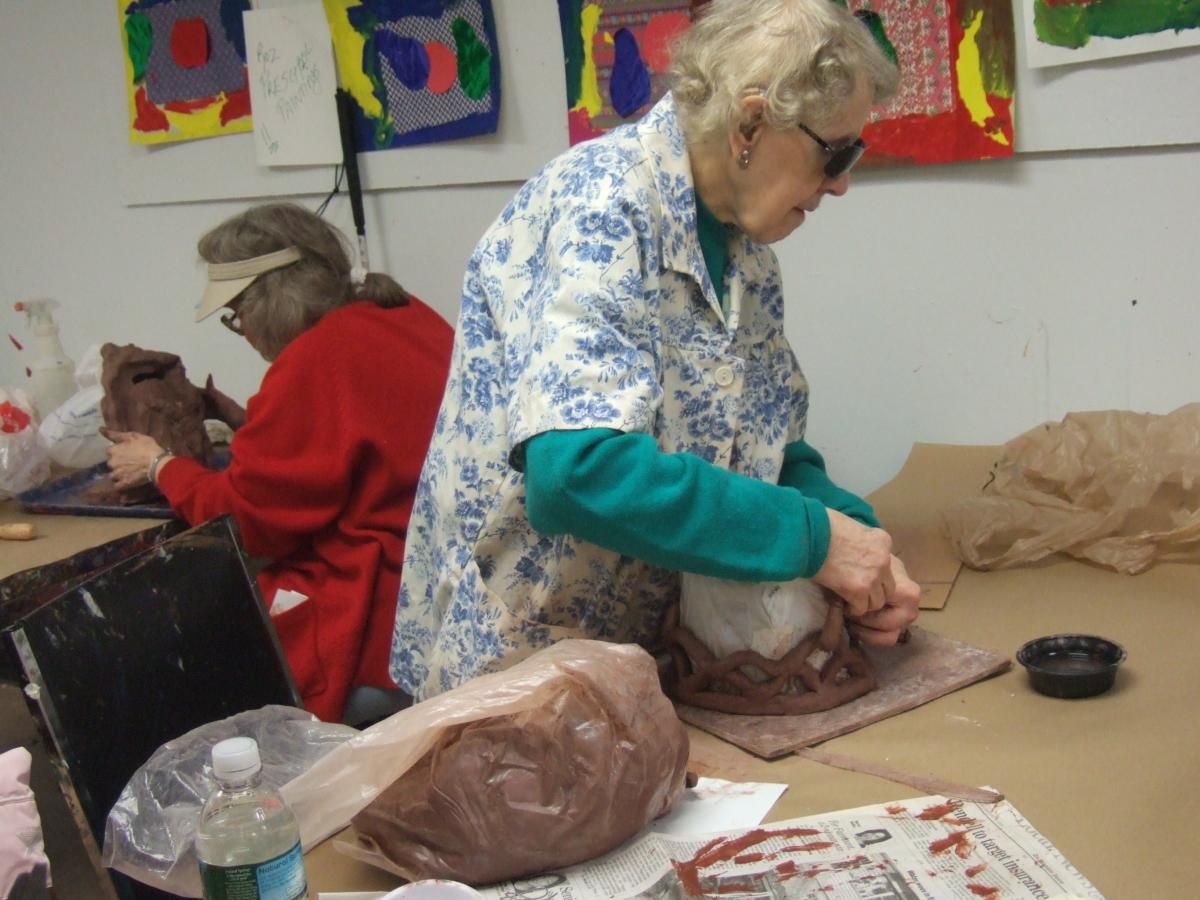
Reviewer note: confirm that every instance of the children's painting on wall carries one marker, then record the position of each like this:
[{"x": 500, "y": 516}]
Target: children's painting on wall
[
  {"x": 957, "y": 67},
  {"x": 185, "y": 68},
  {"x": 1058, "y": 32},
  {"x": 616, "y": 53},
  {"x": 419, "y": 71},
  {"x": 956, "y": 59}
]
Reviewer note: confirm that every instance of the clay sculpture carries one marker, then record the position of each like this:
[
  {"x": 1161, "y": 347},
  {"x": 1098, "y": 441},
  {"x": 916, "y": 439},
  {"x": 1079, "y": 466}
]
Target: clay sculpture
[{"x": 762, "y": 649}]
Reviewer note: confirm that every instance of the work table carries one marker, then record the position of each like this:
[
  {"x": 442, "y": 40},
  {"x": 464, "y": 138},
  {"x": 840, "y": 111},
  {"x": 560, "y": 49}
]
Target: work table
[{"x": 1108, "y": 780}]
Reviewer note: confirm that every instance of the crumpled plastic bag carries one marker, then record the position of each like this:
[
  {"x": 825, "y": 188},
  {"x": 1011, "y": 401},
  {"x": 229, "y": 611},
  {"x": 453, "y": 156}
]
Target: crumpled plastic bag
[
  {"x": 554, "y": 761},
  {"x": 71, "y": 433},
  {"x": 23, "y": 460},
  {"x": 150, "y": 831},
  {"x": 1118, "y": 488},
  {"x": 769, "y": 618}
]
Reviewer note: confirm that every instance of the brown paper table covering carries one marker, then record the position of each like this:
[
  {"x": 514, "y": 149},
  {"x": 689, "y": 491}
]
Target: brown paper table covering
[{"x": 1111, "y": 780}]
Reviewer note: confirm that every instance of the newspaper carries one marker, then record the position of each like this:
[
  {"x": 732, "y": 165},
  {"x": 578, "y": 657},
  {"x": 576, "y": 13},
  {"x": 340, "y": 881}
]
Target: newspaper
[{"x": 929, "y": 848}]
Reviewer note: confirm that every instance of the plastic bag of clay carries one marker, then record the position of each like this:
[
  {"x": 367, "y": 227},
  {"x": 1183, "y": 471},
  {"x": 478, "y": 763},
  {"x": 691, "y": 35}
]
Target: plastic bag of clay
[
  {"x": 552, "y": 762},
  {"x": 1118, "y": 488},
  {"x": 71, "y": 433},
  {"x": 150, "y": 831},
  {"x": 23, "y": 460}
]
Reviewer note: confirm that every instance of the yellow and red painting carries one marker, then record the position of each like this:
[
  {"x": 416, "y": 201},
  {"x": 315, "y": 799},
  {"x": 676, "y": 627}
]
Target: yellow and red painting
[
  {"x": 185, "y": 68},
  {"x": 957, "y": 67},
  {"x": 956, "y": 59}
]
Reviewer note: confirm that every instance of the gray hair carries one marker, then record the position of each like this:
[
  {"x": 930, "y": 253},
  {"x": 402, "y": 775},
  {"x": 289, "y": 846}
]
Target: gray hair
[
  {"x": 803, "y": 56},
  {"x": 281, "y": 304}
]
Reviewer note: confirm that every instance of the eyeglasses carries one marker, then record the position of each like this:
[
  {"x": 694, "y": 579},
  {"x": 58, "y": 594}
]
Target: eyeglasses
[
  {"x": 232, "y": 319},
  {"x": 841, "y": 159}
]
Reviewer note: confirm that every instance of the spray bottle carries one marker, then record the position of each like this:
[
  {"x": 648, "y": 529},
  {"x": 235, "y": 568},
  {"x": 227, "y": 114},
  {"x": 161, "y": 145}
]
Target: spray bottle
[{"x": 52, "y": 373}]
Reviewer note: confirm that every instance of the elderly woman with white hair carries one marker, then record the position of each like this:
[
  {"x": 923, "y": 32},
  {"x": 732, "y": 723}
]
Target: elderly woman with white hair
[{"x": 623, "y": 407}]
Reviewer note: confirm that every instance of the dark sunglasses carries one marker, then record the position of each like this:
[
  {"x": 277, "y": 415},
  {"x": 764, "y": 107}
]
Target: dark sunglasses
[{"x": 841, "y": 159}]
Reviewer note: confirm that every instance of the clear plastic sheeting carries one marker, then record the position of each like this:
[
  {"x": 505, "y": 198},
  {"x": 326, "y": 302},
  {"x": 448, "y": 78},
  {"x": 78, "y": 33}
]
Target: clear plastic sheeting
[
  {"x": 1118, "y": 488},
  {"x": 557, "y": 760},
  {"x": 150, "y": 831},
  {"x": 769, "y": 618},
  {"x": 71, "y": 433}
]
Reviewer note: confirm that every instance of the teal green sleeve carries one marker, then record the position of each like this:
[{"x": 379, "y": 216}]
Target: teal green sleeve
[
  {"x": 804, "y": 470},
  {"x": 619, "y": 491}
]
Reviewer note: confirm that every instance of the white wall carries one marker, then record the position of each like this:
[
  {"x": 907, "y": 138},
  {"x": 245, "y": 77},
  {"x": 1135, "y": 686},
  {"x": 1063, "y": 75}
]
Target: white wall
[{"x": 961, "y": 303}]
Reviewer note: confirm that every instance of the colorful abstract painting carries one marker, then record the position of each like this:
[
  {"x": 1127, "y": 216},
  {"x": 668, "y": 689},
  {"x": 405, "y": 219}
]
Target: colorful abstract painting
[
  {"x": 1059, "y": 32},
  {"x": 957, "y": 67},
  {"x": 419, "y": 70},
  {"x": 185, "y": 68},
  {"x": 616, "y": 52}
]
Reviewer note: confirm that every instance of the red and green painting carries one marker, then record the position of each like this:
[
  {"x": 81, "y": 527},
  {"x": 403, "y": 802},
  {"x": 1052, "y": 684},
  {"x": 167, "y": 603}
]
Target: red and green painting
[
  {"x": 1074, "y": 23},
  {"x": 185, "y": 68},
  {"x": 956, "y": 59}
]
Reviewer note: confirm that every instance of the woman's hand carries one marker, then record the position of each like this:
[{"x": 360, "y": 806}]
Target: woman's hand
[
  {"x": 858, "y": 566},
  {"x": 887, "y": 625},
  {"x": 129, "y": 457},
  {"x": 221, "y": 407}
]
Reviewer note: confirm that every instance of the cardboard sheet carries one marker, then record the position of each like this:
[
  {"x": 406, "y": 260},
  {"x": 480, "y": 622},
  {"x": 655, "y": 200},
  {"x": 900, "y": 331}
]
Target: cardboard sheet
[
  {"x": 1102, "y": 777},
  {"x": 909, "y": 506},
  {"x": 927, "y": 667}
]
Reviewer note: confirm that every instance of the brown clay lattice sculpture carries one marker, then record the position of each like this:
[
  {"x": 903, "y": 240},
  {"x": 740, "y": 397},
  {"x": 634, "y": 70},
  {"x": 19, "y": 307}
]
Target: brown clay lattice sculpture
[{"x": 824, "y": 670}]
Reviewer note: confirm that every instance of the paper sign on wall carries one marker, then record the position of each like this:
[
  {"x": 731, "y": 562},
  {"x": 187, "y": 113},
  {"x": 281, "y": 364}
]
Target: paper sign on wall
[{"x": 292, "y": 86}]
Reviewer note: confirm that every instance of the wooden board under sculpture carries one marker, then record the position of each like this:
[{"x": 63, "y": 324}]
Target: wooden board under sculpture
[{"x": 908, "y": 675}]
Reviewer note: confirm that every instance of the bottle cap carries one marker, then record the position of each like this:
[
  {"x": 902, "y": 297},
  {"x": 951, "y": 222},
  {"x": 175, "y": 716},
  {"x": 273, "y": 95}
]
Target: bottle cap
[{"x": 236, "y": 758}]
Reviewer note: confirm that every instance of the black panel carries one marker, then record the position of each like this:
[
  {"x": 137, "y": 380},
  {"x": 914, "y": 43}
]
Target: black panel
[{"x": 142, "y": 650}]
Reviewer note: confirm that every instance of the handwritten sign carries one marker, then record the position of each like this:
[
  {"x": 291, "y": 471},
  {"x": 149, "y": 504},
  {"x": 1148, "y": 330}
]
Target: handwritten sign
[{"x": 289, "y": 53}]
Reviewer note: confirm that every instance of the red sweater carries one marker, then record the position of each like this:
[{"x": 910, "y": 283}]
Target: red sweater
[{"x": 322, "y": 480}]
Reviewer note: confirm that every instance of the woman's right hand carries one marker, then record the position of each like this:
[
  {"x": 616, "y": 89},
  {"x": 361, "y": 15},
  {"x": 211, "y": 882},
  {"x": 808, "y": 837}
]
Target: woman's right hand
[
  {"x": 129, "y": 457},
  {"x": 858, "y": 566}
]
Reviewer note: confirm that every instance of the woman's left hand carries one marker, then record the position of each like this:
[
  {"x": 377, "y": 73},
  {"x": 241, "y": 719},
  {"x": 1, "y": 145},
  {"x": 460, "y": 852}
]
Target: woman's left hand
[
  {"x": 130, "y": 456},
  {"x": 883, "y": 627}
]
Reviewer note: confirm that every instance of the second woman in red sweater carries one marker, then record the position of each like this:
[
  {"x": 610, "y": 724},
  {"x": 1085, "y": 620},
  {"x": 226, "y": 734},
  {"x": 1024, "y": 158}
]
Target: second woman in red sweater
[{"x": 325, "y": 465}]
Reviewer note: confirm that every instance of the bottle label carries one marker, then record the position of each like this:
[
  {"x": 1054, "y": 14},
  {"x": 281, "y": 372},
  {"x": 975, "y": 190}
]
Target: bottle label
[{"x": 281, "y": 878}]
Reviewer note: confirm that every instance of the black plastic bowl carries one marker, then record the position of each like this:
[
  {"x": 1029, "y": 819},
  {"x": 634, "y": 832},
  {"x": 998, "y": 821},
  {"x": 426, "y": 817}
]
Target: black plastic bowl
[{"x": 1071, "y": 665}]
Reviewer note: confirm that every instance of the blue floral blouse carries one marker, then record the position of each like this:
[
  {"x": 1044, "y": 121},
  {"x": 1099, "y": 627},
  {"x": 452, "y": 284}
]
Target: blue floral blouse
[{"x": 587, "y": 304}]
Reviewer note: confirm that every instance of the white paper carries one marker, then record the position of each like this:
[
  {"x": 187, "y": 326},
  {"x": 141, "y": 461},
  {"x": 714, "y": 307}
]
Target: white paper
[
  {"x": 716, "y": 805},
  {"x": 293, "y": 85}
]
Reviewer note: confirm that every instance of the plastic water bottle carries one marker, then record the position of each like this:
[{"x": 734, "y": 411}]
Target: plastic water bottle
[{"x": 247, "y": 840}]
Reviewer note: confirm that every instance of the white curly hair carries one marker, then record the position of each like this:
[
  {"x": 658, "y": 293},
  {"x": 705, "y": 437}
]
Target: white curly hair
[{"x": 804, "y": 57}]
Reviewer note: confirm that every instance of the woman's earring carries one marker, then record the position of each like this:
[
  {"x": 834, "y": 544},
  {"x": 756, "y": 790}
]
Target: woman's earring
[{"x": 744, "y": 158}]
